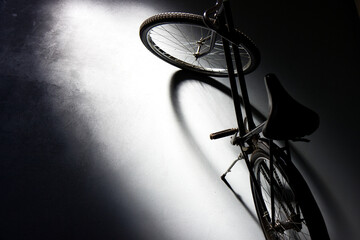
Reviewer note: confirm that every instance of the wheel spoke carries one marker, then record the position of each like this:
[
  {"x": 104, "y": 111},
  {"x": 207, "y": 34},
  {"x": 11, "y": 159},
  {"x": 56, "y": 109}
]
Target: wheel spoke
[
  {"x": 161, "y": 32},
  {"x": 285, "y": 204},
  {"x": 179, "y": 42}
]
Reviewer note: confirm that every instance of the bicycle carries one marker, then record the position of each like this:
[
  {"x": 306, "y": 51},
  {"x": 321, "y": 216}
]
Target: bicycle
[{"x": 210, "y": 45}]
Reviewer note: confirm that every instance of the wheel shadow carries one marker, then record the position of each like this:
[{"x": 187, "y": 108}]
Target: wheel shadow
[
  {"x": 176, "y": 81},
  {"x": 330, "y": 205}
]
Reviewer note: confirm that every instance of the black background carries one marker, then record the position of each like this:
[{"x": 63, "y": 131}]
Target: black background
[{"x": 52, "y": 184}]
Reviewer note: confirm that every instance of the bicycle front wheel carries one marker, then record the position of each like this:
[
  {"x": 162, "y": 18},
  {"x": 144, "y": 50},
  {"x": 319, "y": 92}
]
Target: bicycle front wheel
[
  {"x": 296, "y": 214},
  {"x": 179, "y": 38}
]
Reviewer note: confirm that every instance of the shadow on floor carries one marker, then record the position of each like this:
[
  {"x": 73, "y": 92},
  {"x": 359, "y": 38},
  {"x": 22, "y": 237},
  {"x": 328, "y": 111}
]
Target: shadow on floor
[{"x": 181, "y": 76}]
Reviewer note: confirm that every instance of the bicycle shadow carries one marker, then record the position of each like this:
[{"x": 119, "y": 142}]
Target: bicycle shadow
[{"x": 182, "y": 76}]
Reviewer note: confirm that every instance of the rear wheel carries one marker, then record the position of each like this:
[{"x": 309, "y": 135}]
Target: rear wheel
[
  {"x": 179, "y": 39},
  {"x": 296, "y": 214}
]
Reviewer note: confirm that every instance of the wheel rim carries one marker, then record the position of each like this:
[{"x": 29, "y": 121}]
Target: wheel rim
[
  {"x": 177, "y": 43},
  {"x": 286, "y": 206}
]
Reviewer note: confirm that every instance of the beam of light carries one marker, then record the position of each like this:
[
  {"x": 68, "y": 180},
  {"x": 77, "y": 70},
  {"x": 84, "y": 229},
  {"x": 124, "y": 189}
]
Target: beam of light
[{"x": 121, "y": 90}]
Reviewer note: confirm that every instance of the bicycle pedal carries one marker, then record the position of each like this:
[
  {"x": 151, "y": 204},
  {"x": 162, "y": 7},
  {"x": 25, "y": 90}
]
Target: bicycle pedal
[{"x": 223, "y": 133}]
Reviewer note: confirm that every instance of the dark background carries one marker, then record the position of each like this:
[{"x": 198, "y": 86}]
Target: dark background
[{"x": 99, "y": 139}]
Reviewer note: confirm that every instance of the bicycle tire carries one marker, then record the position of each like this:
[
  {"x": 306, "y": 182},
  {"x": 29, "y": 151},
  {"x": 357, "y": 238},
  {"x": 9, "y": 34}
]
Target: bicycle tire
[
  {"x": 295, "y": 194},
  {"x": 173, "y": 38}
]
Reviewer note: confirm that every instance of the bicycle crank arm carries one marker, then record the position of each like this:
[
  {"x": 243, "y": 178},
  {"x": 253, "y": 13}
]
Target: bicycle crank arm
[{"x": 223, "y": 133}]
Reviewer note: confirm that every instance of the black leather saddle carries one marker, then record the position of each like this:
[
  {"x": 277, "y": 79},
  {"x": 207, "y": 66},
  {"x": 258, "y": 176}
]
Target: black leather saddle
[{"x": 288, "y": 119}]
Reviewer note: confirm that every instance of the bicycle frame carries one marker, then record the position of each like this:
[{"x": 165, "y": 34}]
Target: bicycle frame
[
  {"x": 225, "y": 28},
  {"x": 222, "y": 24},
  {"x": 199, "y": 44}
]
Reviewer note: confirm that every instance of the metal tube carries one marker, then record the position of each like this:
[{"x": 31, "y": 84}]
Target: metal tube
[
  {"x": 240, "y": 73},
  {"x": 234, "y": 91},
  {"x": 243, "y": 87},
  {"x": 236, "y": 99},
  {"x": 272, "y": 186}
]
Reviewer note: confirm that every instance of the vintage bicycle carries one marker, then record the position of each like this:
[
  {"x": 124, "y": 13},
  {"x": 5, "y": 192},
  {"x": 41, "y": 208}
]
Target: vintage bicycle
[{"x": 210, "y": 45}]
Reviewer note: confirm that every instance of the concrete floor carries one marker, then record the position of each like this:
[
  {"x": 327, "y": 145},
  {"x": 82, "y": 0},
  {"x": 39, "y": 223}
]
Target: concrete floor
[{"x": 99, "y": 139}]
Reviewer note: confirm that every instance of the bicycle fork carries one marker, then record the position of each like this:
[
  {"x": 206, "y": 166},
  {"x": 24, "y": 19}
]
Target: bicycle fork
[{"x": 201, "y": 42}]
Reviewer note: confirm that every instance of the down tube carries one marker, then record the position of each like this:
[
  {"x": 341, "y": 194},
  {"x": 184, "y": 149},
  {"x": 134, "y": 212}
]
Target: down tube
[
  {"x": 236, "y": 99},
  {"x": 233, "y": 85}
]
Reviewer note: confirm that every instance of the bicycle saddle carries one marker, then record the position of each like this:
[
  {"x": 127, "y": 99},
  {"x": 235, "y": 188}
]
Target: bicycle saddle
[{"x": 288, "y": 119}]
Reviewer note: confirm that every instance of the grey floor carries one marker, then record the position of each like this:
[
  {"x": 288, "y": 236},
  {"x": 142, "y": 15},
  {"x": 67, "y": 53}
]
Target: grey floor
[{"x": 99, "y": 139}]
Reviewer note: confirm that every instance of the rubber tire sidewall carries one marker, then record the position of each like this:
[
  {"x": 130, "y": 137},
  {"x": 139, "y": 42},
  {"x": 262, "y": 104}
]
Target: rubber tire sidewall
[
  {"x": 306, "y": 200},
  {"x": 188, "y": 18}
]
